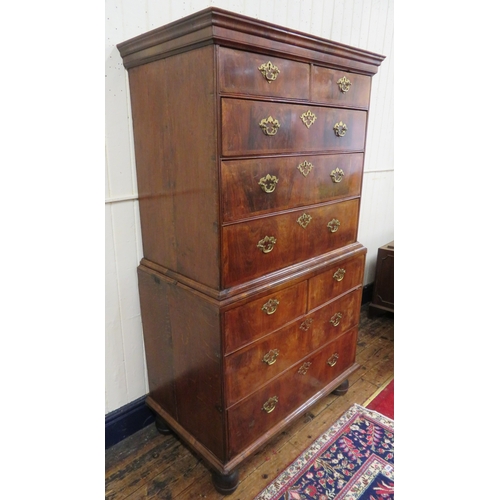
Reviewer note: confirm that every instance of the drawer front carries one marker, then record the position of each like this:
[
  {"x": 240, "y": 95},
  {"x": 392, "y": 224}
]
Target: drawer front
[
  {"x": 250, "y": 368},
  {"x": 340, "y": 88},
  {"x": 258, "y": 127},
  {"x": 249, "y": 419},
  {"x": 342, "y": 277},
  {"x": 253, "y": 320},
  {"x": 265, "y": 185},
  {"x": 256, "y": 74},
  {"x": 264, "y": 245}
]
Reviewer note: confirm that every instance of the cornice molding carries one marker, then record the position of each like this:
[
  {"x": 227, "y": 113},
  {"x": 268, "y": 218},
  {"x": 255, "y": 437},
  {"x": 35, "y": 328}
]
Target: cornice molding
[{"x": 218, "y": 26}]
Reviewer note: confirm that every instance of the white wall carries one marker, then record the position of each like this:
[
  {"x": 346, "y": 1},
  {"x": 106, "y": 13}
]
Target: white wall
[{"x": 367, "y": 24}]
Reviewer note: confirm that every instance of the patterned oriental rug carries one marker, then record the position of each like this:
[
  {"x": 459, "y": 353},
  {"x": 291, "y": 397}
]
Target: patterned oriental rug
[{"x": 353, "y": 460}]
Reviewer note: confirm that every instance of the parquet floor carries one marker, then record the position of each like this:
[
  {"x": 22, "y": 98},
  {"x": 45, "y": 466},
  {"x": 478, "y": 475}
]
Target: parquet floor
[{"x": 148, "y": 465}]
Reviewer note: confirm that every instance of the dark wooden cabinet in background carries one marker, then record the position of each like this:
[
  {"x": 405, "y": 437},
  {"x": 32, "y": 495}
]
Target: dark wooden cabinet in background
[
  {"x": 383, "y": 288},
  {"x": 249, "y": 142}
]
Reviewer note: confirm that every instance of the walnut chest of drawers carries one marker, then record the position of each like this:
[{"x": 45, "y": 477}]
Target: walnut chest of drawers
[{"x": 249, "y": 142}]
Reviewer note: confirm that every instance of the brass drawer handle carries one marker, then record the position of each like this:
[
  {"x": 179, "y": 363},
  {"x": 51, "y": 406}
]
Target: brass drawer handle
[
  {"x": 266, "y": 244},
  {"x": 335, "y": 319},
  {"x": 333, "y": 225},
  {"x": 337, "y": 175},
  {"x": 271, "y": 356},
  {"x": 344, "y": 84},
  {"x": 270, "y": 404},
  {"x": 269, "y": 71},
  {"x": 332, "y": 360},
  {"x": 270, "y": 306},
  {"x": 340, "y": 129},
  {"x": 304, "y": 220},
  {"x": 339, "y": 274},
  {"x": 304, "y": 326},
  {"x": 268, "y": 183},
  {"x": 308, "y": 118},
  {"x": 269, "y": 125},
  {"x": 303, "y": 369},
  {"x": 305, "y": 168}
]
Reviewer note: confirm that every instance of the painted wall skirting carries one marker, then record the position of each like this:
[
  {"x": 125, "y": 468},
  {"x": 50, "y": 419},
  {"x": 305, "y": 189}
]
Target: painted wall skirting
[{"x": 127, "y": 420}]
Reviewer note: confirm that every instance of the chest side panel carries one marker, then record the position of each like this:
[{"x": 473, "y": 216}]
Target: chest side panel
[{"x": 175, "y": 130}]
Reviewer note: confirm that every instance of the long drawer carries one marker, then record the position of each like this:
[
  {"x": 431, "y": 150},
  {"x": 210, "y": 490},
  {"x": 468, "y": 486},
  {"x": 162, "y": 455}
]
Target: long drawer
[
  {"x": 260, "y": 127},
  {"x": 250, "y": 368},
  {"x": 271, "y": 243},
  {"x": 252, "y": 417},
  {"x": 263, "y": 185}
]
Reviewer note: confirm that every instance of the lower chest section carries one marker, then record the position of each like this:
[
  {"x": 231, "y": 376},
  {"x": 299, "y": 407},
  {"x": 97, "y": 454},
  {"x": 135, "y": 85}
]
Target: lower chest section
[{"x": 231, "y": 374}]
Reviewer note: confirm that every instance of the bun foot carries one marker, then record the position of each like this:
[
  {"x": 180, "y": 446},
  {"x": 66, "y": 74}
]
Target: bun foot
[
  {"x": 225, "y": 484},
  {"x": 342, "y": 388},
  {"x": 161, "y": 426}
]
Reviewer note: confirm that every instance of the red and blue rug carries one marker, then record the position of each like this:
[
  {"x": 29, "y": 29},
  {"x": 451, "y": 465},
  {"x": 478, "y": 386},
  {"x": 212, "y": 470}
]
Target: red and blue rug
[{"x": 353, "y": 460}]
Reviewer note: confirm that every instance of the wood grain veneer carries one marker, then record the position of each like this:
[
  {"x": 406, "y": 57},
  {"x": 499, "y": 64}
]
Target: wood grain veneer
[{"x": 216, "y": 185}]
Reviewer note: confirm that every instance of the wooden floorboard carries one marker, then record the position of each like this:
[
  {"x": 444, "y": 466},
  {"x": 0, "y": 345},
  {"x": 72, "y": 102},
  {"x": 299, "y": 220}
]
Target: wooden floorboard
[{"x": 149, "y": 465}]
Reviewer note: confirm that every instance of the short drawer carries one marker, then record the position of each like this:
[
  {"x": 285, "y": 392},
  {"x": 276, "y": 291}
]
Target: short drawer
[
  {"x": 268, "y": 406},
  {"x": 259, "y": 127},
  {"x": 261, "y": 246},
  {"x": 253, "y": 320},
  {"x": 248, "y": 369},
  {"x": 342, "y": 277},
  {"x": 340, "y": 88},
  {"x": 256, "y": 74},
  {"x": 265, "y": 185}
]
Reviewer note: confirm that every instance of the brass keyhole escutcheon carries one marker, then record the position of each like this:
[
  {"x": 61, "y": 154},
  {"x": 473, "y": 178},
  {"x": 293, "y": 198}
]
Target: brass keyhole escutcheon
[
  {"x": 304, "y": 326},
  {"x": 271, "y": 306},
  {"x": 269, "y": 125},
  {"x": 308, "y": 118},
  {"x": 268, "y": 183},
  {"x": 266, "y": 244},
  {"x": 303, "y": 369},
  {"x": 271, "y": 356},
  {"x": 270, "y": 404},
  {"x": 335, "y": 319},
  {"x": 332, "y": 360},
  {"x": 339, "y": 274},
  {"x": 305, "y": 168},
  {"x": 304, "y": 220},
  {"x": 269, "y": 71}
]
